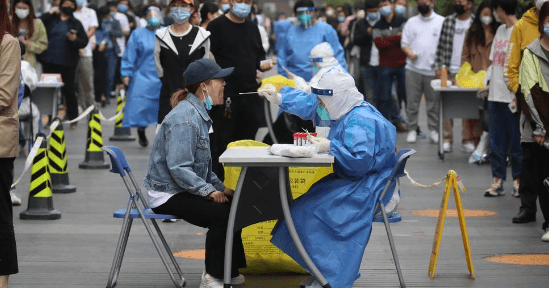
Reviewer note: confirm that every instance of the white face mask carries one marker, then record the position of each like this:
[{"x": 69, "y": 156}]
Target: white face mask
[
  {"x": 486, "y": 20},
  {"x": 21, "y": 13},
  {"x": 496, "y": 16}
]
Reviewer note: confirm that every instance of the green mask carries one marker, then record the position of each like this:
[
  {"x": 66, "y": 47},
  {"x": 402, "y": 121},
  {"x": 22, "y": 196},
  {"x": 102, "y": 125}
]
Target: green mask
[{"x": 324, "y": 115}]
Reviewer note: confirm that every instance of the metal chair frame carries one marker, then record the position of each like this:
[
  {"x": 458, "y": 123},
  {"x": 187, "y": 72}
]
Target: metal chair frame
[
  {"x": 396, "y": 173},
  {"x": 138, "y": 208}
]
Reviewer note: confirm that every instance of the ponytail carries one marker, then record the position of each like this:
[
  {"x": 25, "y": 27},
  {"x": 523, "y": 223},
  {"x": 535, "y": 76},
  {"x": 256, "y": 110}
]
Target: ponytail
[{"x": 178, "y": 97}]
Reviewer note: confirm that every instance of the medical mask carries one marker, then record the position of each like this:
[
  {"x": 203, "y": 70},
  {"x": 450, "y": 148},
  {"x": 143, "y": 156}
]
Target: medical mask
[
  {"x": 241, "y": 10},
  {"x": 122, "y": 8},
  {"x": 22, "y": 13},
  {"x": 459, "y": 9},
  {"x": 340, "y": 19},
  {"x": 67, "y": 10},
  {"x": 546, "y": 30},
  {"x": 373, "y": 16},
  {"x": 385, "y": 10},
  {"x": 305, "y": 18},
  {"x": 322, "y": 113},
  {"x": 330, "y": 13},
  {"x": 80, "y": 3},
  {"x": 225, "y": 8},
  {"x": 180, "y": 14},
  {"x": 207, "y": 100},
  {"x": 113, "y": 14},
  {"x": 496, "y": 16},
  {"x": 153, "y": 21},
  {"x": 486, "y": 20},
  {"x": 424, "y": 9},
  {"x": 400, "y": 10},
  {"x": 315, "y": 70}
]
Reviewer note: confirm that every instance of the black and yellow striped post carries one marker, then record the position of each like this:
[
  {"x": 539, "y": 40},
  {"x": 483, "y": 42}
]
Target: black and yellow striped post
[
  {"x": 121, "y": 134},
  {"x": 57, "y": 154},
  {"x": 94, "y": 155},
  {"x": 40, "y": 205}
]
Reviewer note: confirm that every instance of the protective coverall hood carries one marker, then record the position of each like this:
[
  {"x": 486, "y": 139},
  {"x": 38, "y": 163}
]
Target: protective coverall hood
[
  {"x": 345, "y": 94},
  {"x": 324, "y": 52}
]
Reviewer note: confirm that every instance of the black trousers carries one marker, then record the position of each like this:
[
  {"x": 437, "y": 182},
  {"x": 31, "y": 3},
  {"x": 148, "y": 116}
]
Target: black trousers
[
  {"x": 69, "y": 77},
  {"x": 202, "y": 212},
  {"x": 8, "y": 250},
  {"x": 535, "y": 168},
  {"x": 100, "y": 70}
]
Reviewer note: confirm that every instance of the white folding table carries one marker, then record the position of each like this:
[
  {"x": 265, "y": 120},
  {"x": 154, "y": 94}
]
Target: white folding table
[{"x": 263, "y": 193}]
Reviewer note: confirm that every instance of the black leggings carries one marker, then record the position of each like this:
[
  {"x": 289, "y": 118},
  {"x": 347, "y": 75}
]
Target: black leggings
[
  {"x": 200, "y": 211},
  {"x": 8, "y": 252}
]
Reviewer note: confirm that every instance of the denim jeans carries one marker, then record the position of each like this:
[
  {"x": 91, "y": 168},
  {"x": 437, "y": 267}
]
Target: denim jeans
[
  {"x": 370, "y": 78},
  {"x": 385, "y": 105},
  {"x": 111, "y": 60},
  {"x": 504, "y": 130}
]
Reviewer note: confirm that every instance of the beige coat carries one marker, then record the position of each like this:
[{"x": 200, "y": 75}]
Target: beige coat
[{"x": 10, "y": 68}]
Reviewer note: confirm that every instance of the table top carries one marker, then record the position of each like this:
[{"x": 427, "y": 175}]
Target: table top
[
  {"x": 260, "y": 156},
  {"x": 49, "y": 85},
  {"x": 455, "y": 89}
]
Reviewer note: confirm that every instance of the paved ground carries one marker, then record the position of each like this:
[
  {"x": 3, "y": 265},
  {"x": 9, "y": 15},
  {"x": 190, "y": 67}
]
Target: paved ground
[{"x": 77, "y": 250}]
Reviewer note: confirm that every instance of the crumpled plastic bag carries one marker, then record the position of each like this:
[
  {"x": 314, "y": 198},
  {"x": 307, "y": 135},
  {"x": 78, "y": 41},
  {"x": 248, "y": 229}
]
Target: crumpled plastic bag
[
  {"x": 467, "y": 79},
  {"x": 278, "y": 81},
  {"x": 292, "y": 151}
]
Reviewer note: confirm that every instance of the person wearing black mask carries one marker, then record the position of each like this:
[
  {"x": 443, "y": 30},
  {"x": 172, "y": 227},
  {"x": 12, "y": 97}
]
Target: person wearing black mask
[
  {"x": 66, "y": 36},
  {"x": 448, "y": 54}
]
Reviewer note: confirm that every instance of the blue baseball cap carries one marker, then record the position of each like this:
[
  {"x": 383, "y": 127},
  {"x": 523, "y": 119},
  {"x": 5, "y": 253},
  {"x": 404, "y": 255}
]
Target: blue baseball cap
[{"x": 204, "y": 69}]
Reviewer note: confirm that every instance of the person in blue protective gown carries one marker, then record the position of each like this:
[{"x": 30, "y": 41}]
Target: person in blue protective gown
[
  {"x": 139, "y": 74},
  {"x": 293, "y": 53},
  {"x": 334, "y": 218}
]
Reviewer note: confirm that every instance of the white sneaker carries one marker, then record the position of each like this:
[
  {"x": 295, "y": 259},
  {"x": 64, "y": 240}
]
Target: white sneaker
[
  {"x": 468, "y": 147},
  {"x": 238, "y": 280},
  {"x": 447, "y": 147},
  {"x": 412, "y": 137},
  {"x": 434, "y": 136},
  {"x": 209, "y": 281},
  {"x": 15, "y": 200},
  {"x": 545, "y": 237}
]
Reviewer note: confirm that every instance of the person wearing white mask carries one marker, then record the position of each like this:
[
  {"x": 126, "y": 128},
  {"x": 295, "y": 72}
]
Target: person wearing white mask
[
  {"x": 476, "y": 51},
  {"x": 84, "y": 70},
  {"x": 236, "y": 42},
  {"x": 450, "y": 46},
  {"x": 30, "y": 30},
  {"x": 177, "y": 46},
  {"x": 400, "y": 7},
  {"x": 418, "y": 36}
]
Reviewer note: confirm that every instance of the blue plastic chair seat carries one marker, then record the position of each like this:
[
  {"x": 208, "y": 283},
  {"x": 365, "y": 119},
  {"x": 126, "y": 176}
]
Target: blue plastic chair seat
[{"x": 148, "y": 213}]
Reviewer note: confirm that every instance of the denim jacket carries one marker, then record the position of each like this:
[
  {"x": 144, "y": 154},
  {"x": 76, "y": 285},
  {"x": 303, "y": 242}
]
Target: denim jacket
[{"x": 181, "y": 160}]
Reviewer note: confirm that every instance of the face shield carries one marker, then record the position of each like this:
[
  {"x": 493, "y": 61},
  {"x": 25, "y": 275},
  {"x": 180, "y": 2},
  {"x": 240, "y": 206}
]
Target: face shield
[
  {"x": 305, "y": 16},
  {"x": 154, "y": 17},
  {"x": 322, "y": 56},
  {"x": 320, "y": 110}
]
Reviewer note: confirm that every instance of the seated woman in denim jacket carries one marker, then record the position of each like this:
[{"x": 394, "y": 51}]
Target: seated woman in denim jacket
[{"x": 180, "y": 180}]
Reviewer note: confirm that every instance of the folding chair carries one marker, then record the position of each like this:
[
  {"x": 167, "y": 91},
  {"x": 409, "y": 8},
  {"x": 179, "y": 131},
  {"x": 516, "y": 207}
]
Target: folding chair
[
  {"x": 398, "y": 171},
  {"x": 137, "y": 208}
]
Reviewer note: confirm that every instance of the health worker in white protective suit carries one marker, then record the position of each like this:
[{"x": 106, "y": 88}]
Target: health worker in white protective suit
[{"x": 334, "y": 218}]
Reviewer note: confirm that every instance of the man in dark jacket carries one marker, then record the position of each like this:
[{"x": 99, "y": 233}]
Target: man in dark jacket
[
  {"x": 369, "y": 57},
  {"x": 66, "y": 36}
]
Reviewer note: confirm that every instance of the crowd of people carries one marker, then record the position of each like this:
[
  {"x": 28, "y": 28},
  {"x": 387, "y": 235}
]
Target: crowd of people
[{"x": 188, "y": 68}]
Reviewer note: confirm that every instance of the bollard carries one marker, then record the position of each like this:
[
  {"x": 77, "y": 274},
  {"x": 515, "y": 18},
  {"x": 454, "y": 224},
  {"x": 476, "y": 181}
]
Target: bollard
[
  {"x": 57, "y": 155},
  {"x": 121, "y": 134},
  {"x": 94, "y": 155},
  {"x": 40, "y": 204}
]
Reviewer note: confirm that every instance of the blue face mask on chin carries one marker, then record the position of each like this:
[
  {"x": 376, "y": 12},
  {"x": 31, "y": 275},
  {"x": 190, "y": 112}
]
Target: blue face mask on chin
[
  {"x": 322, "y": 113},
  {"x": 180, "y": 14},
  {"x": 208, "y": 101},
  {"x": 546, "y": 30},
  {"x": 241, "y": 10}
]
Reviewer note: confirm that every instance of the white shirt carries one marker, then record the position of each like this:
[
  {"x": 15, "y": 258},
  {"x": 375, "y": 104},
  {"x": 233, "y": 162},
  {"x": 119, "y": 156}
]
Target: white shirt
[
  {"x": 88, "y": 18},
  {"x": 374, "y": 53},
  {"x": 459, "y": 38},
  {"x": 125, "y": 26},
  {"x": 421, "y": 34},
  {"x": 498, "y": 89}
]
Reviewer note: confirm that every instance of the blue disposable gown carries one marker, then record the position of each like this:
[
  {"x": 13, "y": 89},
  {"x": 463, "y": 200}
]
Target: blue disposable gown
[
  {"x": 334, "y": 218},
  {"x": 144, "y": 90},
  {"x": 294, "y": 51}
]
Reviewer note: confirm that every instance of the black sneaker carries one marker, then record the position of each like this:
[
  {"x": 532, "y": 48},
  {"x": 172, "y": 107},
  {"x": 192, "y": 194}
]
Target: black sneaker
[{"x": 142, "y": 137}]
